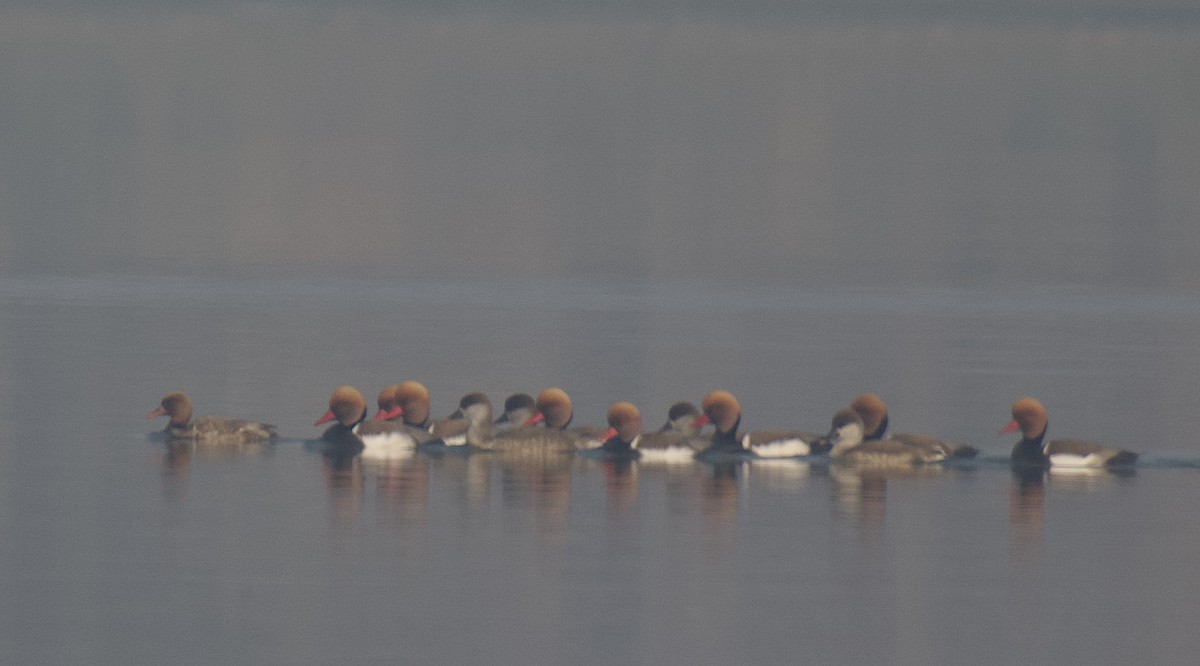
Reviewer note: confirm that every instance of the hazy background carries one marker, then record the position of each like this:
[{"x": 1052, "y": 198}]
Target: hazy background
[{"x": 927, "y": 143}]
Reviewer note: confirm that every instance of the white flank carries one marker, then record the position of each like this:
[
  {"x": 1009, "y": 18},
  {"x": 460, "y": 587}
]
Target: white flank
[
  {"x": 672, "y": 455},
  {"x": 1085, "y": 475},
  {"x": 456, "y": 440},
  {"x": 595, "y": 443},
  {"x": 784, "y": 448},
  {"x": 1073, "y": 460},
  {"x": 388, "y": 446}
]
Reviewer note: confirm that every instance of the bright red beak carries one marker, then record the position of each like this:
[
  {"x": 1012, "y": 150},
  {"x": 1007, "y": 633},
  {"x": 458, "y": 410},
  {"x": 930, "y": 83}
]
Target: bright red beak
[
  {"x": 389, "y": 414},
  {"x": 325, "y": 419},
  {"x": 608, "y": 434},
  {"x": 702, "y": 421},
  {"x": 536, "y": 418},
  {"x": 1012, "y": 426}
]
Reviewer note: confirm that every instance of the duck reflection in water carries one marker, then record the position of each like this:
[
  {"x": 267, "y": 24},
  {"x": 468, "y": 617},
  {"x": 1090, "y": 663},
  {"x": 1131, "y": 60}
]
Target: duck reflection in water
[
  {"x": 340, "y": 446},
  {"x": 787, "y": 475},
  {"x": 470, "y": 474},
  {"x": 1027, "y": 503},
  {"x": 343, "y": 474},
  {"x": 179, "y": 455},
  {"x": 176, "y": 457},
  {"x": 544, "y": 479},
  {"x": 620, "y": 483},
  {"x": 401, "y": 488},
  {"x": 719, "y": 488},
  {"x": 719, "y": 491},
  {"x": 176, "y": 460},
  {"x": 860, "y": 493},
  {"x": 401, "y": 484}
]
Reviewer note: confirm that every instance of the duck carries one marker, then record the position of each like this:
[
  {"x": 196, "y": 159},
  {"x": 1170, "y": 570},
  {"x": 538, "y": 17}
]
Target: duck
[
  {"x": 413, "y": 399},
  {"x": 1029, "y": 416},
  {"x": 208, "y": 429},
  {"x": 390, "y": 437},
  {"x": 682, "y": 418},
  {"x": 347, "y": 409},
  {"x": 624, "y": 429},
  {"x": 624, "y": 437},
  {"x": 409, "y": 400},
  {"x": 555, "y": 411},
  {"x": 476, "y": 410},
  {"x": 722, "y": 409},
  {"x": 874, "y": 413},
  {"x": 846, "y": 434},
  {"x": 388, "y": 408},
  {"x": 452, "y": 430},
  {"x": 518, "y": 409}
]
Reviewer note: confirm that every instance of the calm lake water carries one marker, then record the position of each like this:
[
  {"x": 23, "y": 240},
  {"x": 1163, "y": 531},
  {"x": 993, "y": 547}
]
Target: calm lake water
[
  {"x": 949, "y": 204},
  {"x": 119, "y": 549}
]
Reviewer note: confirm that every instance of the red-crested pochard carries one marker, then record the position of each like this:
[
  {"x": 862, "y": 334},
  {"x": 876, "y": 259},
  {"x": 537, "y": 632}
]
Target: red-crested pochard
[
  {"x": 874, "y": 413},
  {"x": 413, "y": 399},
  {"x": 518, "y": 408},
  {"x": 846, "y": 436},
  {"x": 725, "y": 413},
  {"x": 684, "y": 418},
  {"x": 348, "y": 409},
  {"x": 625, "y": 437},
  {"x": 1029, "y": 416},
  {"x": 388, "y": 408},
  {"x": 555, "y": 410},
  {"x": 476, "y": 409},
  {"x": 392, "y": 437},
  {"x": 208, "y": 429},
  {"x": 410, "y": 400}
]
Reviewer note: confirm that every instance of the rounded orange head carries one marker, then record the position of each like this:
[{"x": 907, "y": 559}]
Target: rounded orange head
[
  {"x": 624, "y": 421},
  {"x": 176, "y": 405},
  {"x": 554, "y": 407},
  {"x": 346, "y": 405},
  {"x": 1028, "y": 416},
  {"x": 722, "y": 409}
]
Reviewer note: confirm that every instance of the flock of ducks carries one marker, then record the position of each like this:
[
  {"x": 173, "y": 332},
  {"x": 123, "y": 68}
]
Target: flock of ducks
[{"x": 542, "y": 426}]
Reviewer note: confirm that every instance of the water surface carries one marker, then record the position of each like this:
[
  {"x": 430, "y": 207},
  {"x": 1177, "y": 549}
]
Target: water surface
[{"x": 278, "y": 555}]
